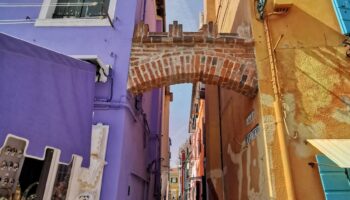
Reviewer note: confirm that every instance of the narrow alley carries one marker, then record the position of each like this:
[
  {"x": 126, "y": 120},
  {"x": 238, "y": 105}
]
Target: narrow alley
[{"x": 174, "y": 100}]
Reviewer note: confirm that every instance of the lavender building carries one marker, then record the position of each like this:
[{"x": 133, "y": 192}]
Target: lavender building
[{"x": 101, "y": 32}]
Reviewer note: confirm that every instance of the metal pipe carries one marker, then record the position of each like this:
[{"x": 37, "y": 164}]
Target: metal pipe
[
  {"x": 277, "y": 43},
  {"x": 100, "y": 105},
  {"x": 279, "y": 119},
  {"x": 144, "y": 10}
]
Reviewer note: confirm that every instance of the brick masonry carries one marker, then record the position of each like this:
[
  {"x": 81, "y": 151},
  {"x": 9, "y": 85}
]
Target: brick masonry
[{"x": 166, "y": 58}]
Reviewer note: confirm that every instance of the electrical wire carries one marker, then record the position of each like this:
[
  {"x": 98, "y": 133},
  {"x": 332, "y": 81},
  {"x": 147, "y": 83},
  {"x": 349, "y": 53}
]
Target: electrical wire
[
  {"x": 295, "y": 136},
  {"x": 31, "y": 21}
]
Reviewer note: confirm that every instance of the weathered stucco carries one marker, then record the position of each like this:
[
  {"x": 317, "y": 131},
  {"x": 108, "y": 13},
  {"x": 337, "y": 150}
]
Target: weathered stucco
[
  {"x": 314, "y": 82},
  {"x": 313, "y": 74}
]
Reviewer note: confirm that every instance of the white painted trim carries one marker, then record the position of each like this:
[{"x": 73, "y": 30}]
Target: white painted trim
[
  {"x": 89, "y": 57},
  {"x": 73, "y": 186},
  {"x": 52, "y": 174},
  {"x": 72, "y": 22},
  {"x": 46, "y": 12},
  {"x": 111, "y": 8}
]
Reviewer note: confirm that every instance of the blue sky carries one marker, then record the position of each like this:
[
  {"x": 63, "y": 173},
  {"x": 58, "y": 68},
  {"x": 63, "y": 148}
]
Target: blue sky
[{"x": 186, "y": 12}]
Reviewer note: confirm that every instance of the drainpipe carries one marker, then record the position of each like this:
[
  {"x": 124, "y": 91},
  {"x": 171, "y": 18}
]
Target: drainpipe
[
  {"x": 278, "y": 113},
  {"x": 100, "y": 105},
  {"x": 144, "y": 10}
]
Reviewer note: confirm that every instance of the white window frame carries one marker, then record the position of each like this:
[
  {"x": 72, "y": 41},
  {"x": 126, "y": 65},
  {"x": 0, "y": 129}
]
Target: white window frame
[{"x": 46, "y": 12}]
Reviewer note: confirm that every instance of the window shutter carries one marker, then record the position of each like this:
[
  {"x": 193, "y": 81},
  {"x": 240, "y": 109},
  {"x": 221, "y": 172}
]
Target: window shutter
[
  {"x": 342, "y": 11},
  {"x": 334, "y": 180}
]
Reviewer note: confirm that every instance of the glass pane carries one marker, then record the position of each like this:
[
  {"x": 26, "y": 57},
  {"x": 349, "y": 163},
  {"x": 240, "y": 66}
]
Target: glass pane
[
  {"x": 64, "y": 9},
  {"x": 101, "y": 9}
]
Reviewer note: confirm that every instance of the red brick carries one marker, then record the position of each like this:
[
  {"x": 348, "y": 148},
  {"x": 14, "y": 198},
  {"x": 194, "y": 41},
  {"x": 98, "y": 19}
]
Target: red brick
[{"x": 191, "y": 57}]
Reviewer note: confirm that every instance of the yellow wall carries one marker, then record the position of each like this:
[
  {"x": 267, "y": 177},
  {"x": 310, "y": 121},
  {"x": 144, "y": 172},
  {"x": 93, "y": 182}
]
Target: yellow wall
[
  {"x": 313, "y": 72},
  {"x": 174, "y": 187},
  {"x": 209, "y": 10},
  {"x": 314, "y": 77},
  {"x": 226, "y": 14}
]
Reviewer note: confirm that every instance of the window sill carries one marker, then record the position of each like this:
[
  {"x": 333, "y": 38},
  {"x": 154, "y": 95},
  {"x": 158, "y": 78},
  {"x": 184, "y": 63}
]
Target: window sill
[{"x": 66, "y": 22}]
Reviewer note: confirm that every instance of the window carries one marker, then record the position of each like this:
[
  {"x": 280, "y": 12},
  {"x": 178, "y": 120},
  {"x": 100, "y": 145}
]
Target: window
[
  {"x": 81, "y": 8},
  {"x": 173, "y": 180},
  {"x": 76, "y": 13}
]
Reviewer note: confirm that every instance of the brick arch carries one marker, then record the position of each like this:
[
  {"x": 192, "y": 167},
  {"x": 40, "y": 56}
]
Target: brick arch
[{"x": 160, "y": 59}]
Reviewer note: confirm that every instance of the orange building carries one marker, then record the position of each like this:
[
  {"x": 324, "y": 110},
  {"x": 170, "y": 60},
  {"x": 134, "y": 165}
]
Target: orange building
[
  {"x": 266, "y": 147},
  {"x": 197, "y": 131}
]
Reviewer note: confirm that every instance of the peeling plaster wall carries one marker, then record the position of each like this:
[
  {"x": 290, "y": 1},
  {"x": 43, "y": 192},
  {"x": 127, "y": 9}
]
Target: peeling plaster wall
[
  {"x": 314, "y": 76},
  {"x": 243, "y": 175},
  {"x": 213, "y": 166}
]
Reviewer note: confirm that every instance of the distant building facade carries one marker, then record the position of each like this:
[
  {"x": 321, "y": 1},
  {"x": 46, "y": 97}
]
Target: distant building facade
[
  {"x": 197, "y": 130},
  {"x": 174, "y": 184},
  {"x": 185, "y": 168}
]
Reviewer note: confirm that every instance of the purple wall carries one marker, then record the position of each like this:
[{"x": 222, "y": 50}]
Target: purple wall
[
  {"x": 126, "y": 155},
  {"x": 47, "y": 97}
]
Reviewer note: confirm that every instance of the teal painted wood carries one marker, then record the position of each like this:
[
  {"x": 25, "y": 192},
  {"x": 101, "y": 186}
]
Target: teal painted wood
[
  {"x": 337, "y": 195},
  {"x": 335, "y": 183},
  {"x": 342, "y": 11}
]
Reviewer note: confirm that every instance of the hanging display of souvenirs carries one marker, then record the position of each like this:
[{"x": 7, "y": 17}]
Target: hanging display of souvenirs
[{"x": 24, "y": 177}]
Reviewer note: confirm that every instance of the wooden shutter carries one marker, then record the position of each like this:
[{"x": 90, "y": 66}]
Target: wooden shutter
[{"x": 334, "y": 179}]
